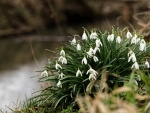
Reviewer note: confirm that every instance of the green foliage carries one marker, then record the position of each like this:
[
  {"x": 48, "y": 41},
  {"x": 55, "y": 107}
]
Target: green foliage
[
  {"x": 100, "y": 62},
  {"x": 108, "y": 67}
]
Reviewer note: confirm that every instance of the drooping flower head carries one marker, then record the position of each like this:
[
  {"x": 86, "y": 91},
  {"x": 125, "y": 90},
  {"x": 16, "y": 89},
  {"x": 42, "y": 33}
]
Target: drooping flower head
[
  {"x": 133, "y": 40},
  {"x": 73, "y": 42},
  {"x": 142, "y": 45},
  {"x": 62, "y": 52},
  {"x": 57, "y": 66},
  {"x": 84, "y": 60},
  {"x": 135, "y": 66},
  {"x": 78, "y": 73},
  {"x": 78, "y": 47},
  {"x": 128, "y": 35},
  {"x": 61, "y": 75},
  {"x": 84, "y": 36},
  {"x": 59, "y": 84},
  {"x": 118, "y": 39},
  {"x": 44, "y": 74},
  {"x": 93, "y": 35},
  {"x": 92, "y": 73},
  {"x": 98, "y": 43},
  {"x": 110, "y": 38},
  {"x": 147, "y": 64}
]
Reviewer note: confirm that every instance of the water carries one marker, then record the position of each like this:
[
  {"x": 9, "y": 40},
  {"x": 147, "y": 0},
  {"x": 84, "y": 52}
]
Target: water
[{"x": 18, "y": 66}]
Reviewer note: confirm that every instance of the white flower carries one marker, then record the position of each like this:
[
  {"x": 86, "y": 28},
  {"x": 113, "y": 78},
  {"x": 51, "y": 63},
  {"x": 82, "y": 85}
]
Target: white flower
[
  {"x": 57, "y": 66},
  {"x": 78, "y": 47},
  {"x": 84, "y": 36},
  {"x": 92, "y": 77},
  {"x": 84, "y": 60},
  {"x": 137, "y": 40},
  {"x": 110, "y": 38},
  {"x": 90, "y": 52},
  {"x": 78, "y": 73},
  {"x": 133, "y": 40},
  {"x": 130, "y": 53},
  {"x": 138, "y": 78},
  {"x": 95, "y": 59},
  {"x": 142, "y": 45},
  {"x": 118, "y": 39},
  {"x": 98, "y": 43},
  {"x": 61, "y": 75},
  {"x": 62, "y": 52},
  {"x": 91, "y": 71},
  {"x": 128, "y": 35},
  {"x": 96, "y": 49},
  {"x": 63, "y": 60},
  {"x": 147, "y": 64},
  {"x": 132, "y": 57},
  {"x": 135, "y": 66},
  {"x": 59, "y": 84},
  {"x": 93, "y": 35},
  {"x": 44, "y": 73},
  {"x": 73, "y": 42}
]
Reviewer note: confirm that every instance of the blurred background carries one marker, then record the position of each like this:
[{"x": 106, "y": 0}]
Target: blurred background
[{"x": 29, "y": 27}]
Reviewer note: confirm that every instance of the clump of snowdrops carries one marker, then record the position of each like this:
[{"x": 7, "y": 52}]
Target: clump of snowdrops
[{"x": 97, "y": 61}]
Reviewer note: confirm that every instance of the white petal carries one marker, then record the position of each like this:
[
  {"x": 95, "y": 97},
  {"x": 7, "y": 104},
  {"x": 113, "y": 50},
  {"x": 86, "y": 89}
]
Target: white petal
[
  {"x": 133, "y": 40},
  {"x": 128, "y": 35},
  {"x": 84, "y": 36},
  {"x": 57, "y": 66},
  {"x": 84, "y": 60},
  {"x": 44, "y": 73},
  {"x": 95, "y": 59},
  {"x": 147, "y": 64},
  {"x": 78, "y": 47},
  {"x": 62, "y": 52},
  {"x": 59, "y": 84},
  {"x": 73, "y": 42},
  {"x": 92, "y": 77},
  {"x": 118, "y": 39}
]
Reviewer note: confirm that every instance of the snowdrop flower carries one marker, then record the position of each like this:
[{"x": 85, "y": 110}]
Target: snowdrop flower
[
  {"x": 147, "y": 64},
  {"x": 73, "y": 42},
  {"x": 90, "y": 52},
  {"x": 98, "y": 43},
  {"x": 93, "y": 35},
  {"x": 118, "y": 39},
  {"x": 78, "y": 73},
  {"x": 133, "y": 40},
  {"x": 92, "y": 77},
  {"x": 84, "y": 36},
  {"x": 62, "y": 52},
  {"x": 96, "y": 49},
  {"x": 137, "y": 40},
  {"x": 138, "y": 78},
  {"x": 130, "y": 53},
  {"x": 57, "y": 66},
  {"x": 95, "y": 59},
  {"x": 63, "y": 60},
  {"x": 135, "y": 66},
  {"x": 84, "y": 60},
  {"x": 132, "y": 57},
  {"x": 59, "y": 84},
  {"x": 142, "y": 45},
  {"x": 91, "y": 71},
  {"x": 110, "y": 38},
  {"x": 128, "y": 35},
  {"x": 78, "y": 47},
  {"x": 61, "y": 75},
  {"x": 44, "y": 73}
]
